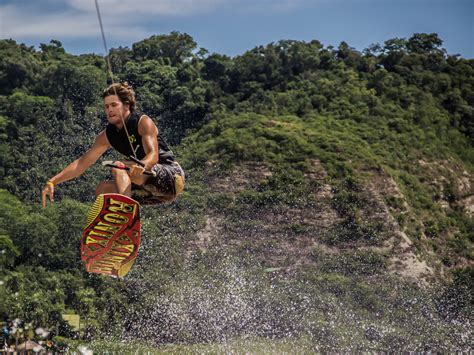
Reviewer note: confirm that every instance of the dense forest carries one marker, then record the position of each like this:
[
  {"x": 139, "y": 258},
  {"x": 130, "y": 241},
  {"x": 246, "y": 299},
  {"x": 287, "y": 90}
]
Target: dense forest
[{"x": 329, "y": 196}]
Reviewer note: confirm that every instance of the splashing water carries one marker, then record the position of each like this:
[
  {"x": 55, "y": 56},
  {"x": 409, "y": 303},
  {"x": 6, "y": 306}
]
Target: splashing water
[
  {"x": 41, "y": 332},
  {"x": 231, "y": 300},
  {"x": 83, "y": 350}
]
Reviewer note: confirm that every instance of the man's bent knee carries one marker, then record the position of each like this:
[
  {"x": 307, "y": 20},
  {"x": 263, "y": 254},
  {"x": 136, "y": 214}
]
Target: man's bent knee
[
  {"x": 105, "y": 187},
  {"x": 118, "y": 171}
]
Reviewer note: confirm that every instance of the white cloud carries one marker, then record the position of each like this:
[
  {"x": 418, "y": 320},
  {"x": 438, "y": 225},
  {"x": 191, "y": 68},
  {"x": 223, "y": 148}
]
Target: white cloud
[
  {"x": 66, "y": 23},
  {"x": 148, "y": 7},
  {"x": 181, "y": 7},
  {"x": 122, "y": 19}
]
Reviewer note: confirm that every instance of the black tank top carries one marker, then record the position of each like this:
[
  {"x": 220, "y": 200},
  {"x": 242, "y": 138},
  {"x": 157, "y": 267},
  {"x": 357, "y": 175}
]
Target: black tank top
[{"x": 118, "y": 140}]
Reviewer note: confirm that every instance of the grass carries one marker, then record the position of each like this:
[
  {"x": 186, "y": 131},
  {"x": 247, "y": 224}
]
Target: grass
[
  {"x": 243, "y": 345},
  {"x": 351, "y": 153}
]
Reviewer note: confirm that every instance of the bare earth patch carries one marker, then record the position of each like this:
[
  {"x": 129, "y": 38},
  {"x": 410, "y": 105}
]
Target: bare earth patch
[{"x": 289, "y": 237}]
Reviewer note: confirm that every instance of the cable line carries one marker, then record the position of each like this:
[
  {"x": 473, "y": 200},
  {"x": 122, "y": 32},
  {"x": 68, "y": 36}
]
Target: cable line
[{"x": 111, "y": 74}]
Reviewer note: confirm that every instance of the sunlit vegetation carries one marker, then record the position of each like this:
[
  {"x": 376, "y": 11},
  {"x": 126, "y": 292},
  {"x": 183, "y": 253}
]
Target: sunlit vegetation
[{"x": 304, "y": 165}]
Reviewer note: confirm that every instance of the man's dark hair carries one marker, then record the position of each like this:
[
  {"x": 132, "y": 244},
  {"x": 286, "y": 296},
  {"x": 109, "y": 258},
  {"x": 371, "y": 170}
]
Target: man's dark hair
[{"x": 124, "y": 92}]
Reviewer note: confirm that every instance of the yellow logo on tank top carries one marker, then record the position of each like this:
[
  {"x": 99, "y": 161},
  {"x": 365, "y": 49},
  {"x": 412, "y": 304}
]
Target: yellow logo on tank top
[{"x": 132, "y": 139}]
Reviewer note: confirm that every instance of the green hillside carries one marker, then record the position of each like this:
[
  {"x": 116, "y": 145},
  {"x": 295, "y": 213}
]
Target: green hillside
[{"x": 328, "y": 204}]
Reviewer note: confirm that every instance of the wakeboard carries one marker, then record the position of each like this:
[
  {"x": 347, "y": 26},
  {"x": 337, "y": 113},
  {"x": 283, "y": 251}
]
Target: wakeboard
[{"x": 111, "y": 238}]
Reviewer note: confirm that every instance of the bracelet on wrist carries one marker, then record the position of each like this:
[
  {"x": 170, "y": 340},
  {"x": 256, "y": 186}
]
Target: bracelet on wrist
[{"x": 50, "y": 183}]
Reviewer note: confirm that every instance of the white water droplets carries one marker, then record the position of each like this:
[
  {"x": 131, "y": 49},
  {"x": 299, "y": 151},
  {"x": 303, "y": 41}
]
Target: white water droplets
[
  {"x": 41, "y": 332},
  {"x": 237, "y": 285},
  {"x": 83, "y": 350},
  {"x": 37, "y": 349}
]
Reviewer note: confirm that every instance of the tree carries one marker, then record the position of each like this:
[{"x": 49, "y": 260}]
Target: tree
[
  {"x": 119, "y": 57},
  {"x": 53, "y": 50},
  {"x": 424, "y": 43},
  {"x": 173, "y": 49},
  {"x": 19, "y": 67}
]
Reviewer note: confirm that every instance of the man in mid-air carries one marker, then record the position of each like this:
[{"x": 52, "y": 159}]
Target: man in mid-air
[{"x": 132, "y": 134}]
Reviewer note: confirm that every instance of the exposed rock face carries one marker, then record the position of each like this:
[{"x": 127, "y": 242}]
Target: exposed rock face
[
  {"x": 454, "y": 184},
  {"x": 296, "y": 236}
]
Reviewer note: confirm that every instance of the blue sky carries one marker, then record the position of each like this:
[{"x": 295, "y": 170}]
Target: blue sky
[{"x": 233, "y": 26}]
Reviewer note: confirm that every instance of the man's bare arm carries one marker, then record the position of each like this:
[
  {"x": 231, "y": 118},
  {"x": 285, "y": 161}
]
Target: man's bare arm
[
  {"x": 77, "y": 167},
  {"x": 149, "y": 132}
]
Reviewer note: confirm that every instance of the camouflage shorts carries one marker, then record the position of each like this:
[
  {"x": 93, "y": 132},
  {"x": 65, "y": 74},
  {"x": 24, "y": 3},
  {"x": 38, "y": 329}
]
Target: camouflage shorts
[{"x": 164, "y": 187}]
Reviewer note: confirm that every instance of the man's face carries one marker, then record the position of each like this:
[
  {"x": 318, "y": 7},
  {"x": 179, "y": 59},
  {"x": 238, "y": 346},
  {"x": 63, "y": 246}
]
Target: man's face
[{"x": 115, "y": 109}]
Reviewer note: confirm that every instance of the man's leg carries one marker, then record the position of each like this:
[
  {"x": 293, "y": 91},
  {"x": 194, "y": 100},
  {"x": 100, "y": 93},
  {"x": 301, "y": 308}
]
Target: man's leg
[
  {"x": 106, "y": 187},
  {"x": 121, "y": 184}
]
